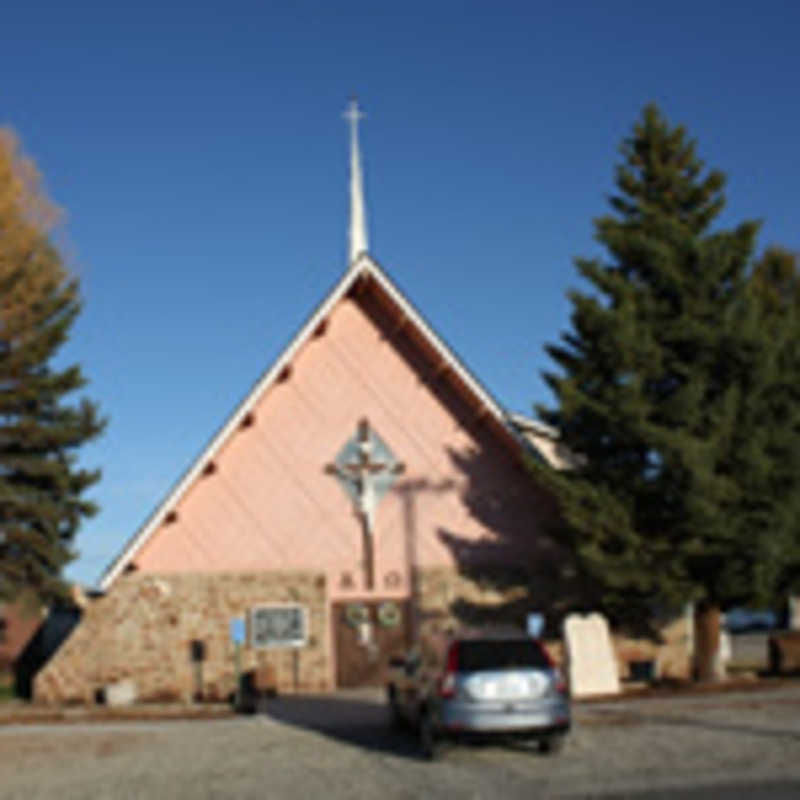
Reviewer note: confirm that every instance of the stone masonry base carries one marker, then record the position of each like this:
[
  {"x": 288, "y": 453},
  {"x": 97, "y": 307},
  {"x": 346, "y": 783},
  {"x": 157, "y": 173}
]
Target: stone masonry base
[
  {"x": 449, "y": 601},
  {"x": 143, "y": 630}
]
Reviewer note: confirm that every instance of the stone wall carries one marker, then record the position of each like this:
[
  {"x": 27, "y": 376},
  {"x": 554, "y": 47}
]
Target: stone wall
[
  {"x": 450, "y": 601},
  {"x": 143, "y": 628},
  {"x": 671, "y": 657}
]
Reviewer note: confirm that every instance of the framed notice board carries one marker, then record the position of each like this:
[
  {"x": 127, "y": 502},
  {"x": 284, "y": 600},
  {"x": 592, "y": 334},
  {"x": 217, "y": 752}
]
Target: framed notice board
[{"x": 278, "y": 625}]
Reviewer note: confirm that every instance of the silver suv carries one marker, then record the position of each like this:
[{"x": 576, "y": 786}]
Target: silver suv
[{"x": 480, "y": 687}]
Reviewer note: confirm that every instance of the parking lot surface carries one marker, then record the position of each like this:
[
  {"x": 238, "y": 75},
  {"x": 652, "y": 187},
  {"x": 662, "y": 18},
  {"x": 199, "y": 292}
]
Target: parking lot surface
[{"x": 339, "y": 746}]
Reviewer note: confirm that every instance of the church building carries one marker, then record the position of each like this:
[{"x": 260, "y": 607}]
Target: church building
[{"x": 367, "y": 490}]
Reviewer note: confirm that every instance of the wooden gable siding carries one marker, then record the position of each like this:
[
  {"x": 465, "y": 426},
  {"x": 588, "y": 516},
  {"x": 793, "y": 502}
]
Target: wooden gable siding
[{"x": 269, "y": 504}]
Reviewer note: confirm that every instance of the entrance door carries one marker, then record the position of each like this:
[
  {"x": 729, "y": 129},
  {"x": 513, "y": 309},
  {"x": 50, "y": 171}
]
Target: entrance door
[{"x": 367, "y": 633}]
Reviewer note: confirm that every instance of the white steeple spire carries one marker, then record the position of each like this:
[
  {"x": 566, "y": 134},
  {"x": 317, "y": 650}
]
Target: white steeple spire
[{"x": 358, "y": 215}]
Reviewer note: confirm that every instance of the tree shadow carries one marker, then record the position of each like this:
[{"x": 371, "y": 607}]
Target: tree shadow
[
  {"x": 523, "y": 557},
  {"x": 525, "y": 565},
  {"x": 364, "y": 722},
  {"x": 348, "y": 717},
  {"x": 528, "y": 563},
  {"x": 526, "y": 560}
]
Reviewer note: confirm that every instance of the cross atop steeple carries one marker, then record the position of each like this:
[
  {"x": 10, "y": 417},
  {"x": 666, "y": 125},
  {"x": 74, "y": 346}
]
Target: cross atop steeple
[{"x": 358, "y": 216}]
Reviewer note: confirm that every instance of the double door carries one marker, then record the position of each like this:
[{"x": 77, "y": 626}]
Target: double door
[{"x": 366, "y": 634}]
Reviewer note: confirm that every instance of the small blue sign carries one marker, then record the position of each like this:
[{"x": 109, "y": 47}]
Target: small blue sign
[
  {"x": 535, "y": 625},
  {"x": 238, "y": 630}
]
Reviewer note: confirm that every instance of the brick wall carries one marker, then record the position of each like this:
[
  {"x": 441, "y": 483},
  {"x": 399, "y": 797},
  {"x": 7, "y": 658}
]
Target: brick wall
[{"x": 143, "y": 628}]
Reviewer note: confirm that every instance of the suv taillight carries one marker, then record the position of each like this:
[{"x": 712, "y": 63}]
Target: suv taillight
[
  {"x": 447, "y": 686},
  {"x": 559, "y": 682}
]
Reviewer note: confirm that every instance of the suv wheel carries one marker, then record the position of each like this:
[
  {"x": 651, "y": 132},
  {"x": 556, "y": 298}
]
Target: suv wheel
[
  {"x": 430, "y": 744},
  {"x": 551, "y": 744},
  {"x": 396, "y": 721}
]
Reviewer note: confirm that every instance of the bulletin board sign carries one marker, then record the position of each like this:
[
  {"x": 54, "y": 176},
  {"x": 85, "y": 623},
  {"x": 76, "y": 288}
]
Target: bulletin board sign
[{"x": 275, "y": 625}]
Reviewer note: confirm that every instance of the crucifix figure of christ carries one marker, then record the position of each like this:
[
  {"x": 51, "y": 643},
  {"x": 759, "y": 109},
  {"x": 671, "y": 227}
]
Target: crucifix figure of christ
[{"x": 366, "y": 475}]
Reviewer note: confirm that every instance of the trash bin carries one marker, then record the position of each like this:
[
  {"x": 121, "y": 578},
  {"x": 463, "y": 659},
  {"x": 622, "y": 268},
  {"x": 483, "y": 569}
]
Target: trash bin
[
  {"x": 641, "y": 671},
  {"x": 255, "y": 685},
  {"x": 784, "y": 652}
]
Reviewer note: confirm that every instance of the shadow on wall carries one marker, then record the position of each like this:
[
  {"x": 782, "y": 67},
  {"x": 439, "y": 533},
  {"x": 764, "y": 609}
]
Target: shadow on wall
[
  {"x": 532, "y": 566},
  {"x": 525, "y": 566},
  {"x": 523, "y": 560},
  {"x": 409, "y": 490},
  {"x": 520, "y": 561},
  {"x": 55, "y": 628}
]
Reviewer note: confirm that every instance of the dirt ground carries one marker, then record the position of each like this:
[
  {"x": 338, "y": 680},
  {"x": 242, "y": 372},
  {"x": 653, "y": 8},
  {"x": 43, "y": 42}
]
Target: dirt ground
[{"x": 339, "y": 746}]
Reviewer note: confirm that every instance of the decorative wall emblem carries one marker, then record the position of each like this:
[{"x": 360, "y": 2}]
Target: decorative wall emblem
[
  {"x": 356, "y": 614},
  {"x": 366, "y": 469},
  {"x": 389, "y": 615}
]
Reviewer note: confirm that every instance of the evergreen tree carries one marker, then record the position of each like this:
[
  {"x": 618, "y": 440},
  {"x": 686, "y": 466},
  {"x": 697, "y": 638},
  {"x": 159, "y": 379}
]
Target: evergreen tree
[
  {"x": 775, "y": 291},
  {"x": 663, "y": 377},
  {"x": 40, "y": 430}
]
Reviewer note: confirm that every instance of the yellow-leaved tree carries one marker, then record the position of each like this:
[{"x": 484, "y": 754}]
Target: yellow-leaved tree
[{"x": 42, "y": 425}]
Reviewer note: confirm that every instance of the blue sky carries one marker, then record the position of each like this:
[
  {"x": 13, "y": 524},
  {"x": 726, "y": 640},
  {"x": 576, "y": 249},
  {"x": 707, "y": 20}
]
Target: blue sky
[{"x": 199, "y": 152}]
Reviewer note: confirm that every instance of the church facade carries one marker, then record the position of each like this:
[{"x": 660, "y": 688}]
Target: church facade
[
  {"x": 367, "y": 492},
  {"x": 272, "y": 516}
]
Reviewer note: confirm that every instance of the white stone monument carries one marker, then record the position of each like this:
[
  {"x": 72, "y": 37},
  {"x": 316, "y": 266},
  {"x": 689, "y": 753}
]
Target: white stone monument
[
  {"x": 122, "y": 693},
  {"x": 724, "y": 655},
  {"x": 591, "y": 663},
  {"x": 794, "y": 612}
]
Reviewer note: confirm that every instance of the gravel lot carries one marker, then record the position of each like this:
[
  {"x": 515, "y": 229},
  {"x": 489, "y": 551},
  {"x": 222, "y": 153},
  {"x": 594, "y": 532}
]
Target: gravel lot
[{"x": 339, "y": 747}]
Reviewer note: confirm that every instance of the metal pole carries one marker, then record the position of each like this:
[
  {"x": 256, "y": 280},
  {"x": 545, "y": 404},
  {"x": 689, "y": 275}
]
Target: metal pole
[
  {"x": 409, "y": 513},
  {"x": 198, "y": 681},
  {"x": 369, "y": 569},
  {"x": 237, "y": 663}
]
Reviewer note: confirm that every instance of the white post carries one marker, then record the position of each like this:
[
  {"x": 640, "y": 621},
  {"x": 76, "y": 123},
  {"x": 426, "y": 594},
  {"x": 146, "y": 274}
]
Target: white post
[
  {"x": 358, "y": 214},
  {"x": 794, "y": 612}
]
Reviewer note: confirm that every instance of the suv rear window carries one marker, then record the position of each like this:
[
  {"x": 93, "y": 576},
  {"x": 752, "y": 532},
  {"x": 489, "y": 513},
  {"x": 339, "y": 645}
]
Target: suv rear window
[{"x": 481, "y": 654}]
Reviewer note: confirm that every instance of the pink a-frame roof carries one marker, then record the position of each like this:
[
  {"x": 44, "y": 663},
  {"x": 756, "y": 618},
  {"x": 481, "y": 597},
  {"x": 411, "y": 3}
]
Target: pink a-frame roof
[{"x": 364, "y": 269}]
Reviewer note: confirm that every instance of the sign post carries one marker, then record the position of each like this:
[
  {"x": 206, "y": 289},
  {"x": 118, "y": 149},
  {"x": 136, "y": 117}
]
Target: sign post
[{"x": 238, "y": 634}]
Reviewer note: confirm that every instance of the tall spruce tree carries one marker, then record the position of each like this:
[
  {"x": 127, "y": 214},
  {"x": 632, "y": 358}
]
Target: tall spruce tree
[
  {"x": 662, "y": 380},
  {"x": 775, "y": 292},
  {"x": 40, "y": 429}
]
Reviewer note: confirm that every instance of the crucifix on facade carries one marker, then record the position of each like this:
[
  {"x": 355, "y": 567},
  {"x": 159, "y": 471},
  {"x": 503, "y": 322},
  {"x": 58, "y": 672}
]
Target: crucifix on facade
[{"x": 363, "y": 474}]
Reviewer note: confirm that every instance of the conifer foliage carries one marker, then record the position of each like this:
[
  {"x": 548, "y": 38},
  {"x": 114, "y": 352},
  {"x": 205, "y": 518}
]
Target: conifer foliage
[
  {"x": 675, "y": 395},
  {"x": 775, "y": 486},
  {"x": 41, "y": 426}
]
